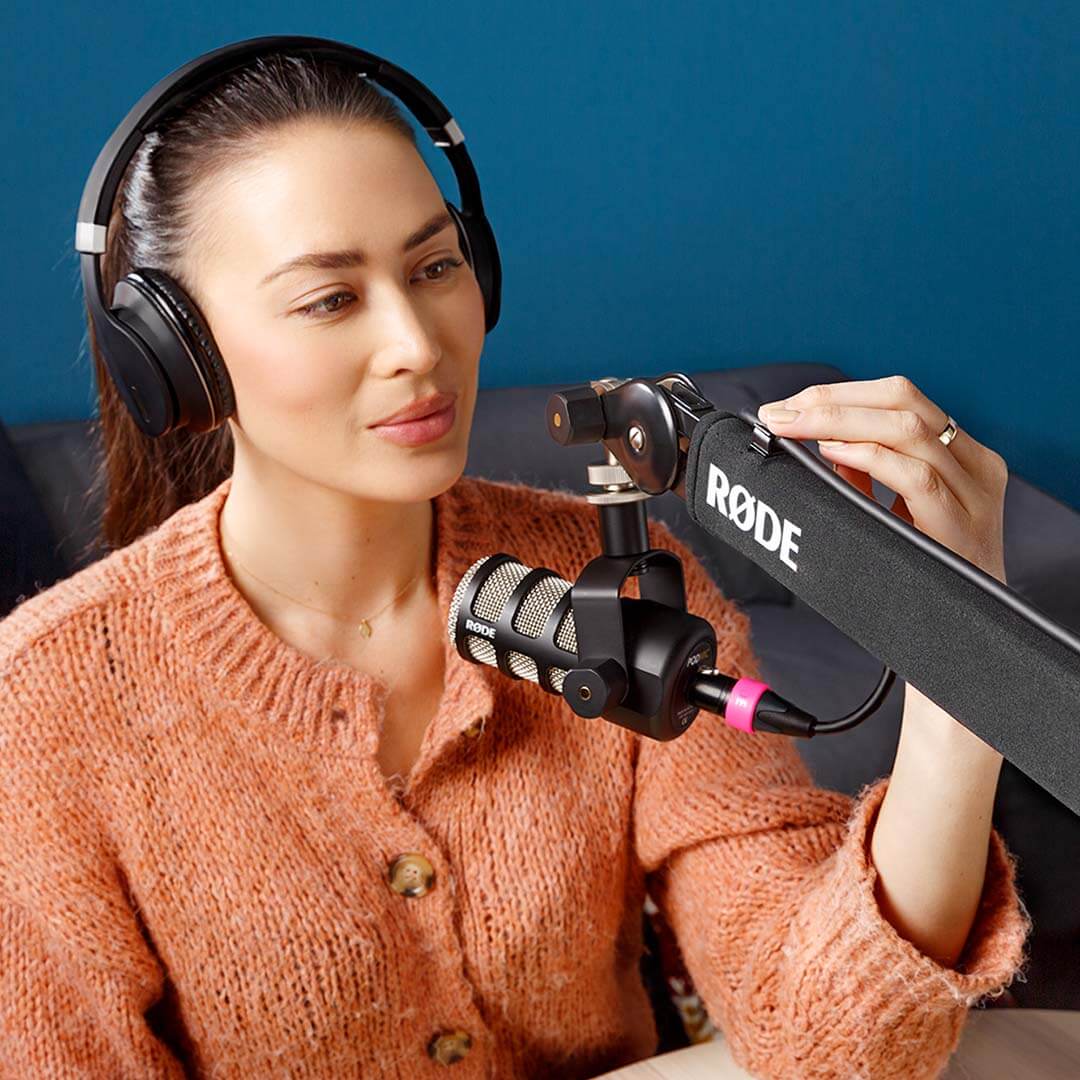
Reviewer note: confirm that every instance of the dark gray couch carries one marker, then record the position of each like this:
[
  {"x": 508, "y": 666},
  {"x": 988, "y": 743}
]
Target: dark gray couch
[{"x": 801, "y": 654}]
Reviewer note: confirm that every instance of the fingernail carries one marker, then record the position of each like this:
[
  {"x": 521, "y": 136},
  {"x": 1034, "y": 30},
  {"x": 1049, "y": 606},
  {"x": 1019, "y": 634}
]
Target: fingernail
[
  {"x": 777, "y": 416},
  {"x": 832, "y": 444}
]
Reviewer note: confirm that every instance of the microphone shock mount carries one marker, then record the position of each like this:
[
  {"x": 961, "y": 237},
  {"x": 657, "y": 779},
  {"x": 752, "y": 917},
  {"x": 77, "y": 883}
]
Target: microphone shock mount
[{"x": 648, "y": 664}]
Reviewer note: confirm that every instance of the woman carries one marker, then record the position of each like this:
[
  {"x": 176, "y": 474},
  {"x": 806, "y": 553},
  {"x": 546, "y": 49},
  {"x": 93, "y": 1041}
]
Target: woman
[{"x": 259, "y": 819}]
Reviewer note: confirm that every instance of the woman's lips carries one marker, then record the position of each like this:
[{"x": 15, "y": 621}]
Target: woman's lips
[{"x": 417, "y": 432}]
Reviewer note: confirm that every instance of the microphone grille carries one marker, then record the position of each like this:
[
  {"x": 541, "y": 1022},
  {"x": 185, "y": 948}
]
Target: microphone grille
[
  {"x": 488, "y": 604},
  {"x": 523, "y": 665},
  {"x": 566, "y": 635},
  {"x": 529, "y": 619},
  {"x": 459, "y": 592},
  {"x": 501, "y": 582},
  {"x": 481, "y": 649}
]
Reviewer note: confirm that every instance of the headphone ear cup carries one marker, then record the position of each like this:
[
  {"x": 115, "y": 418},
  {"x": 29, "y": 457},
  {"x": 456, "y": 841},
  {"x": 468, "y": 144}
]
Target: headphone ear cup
[
  {"x": 212, "y": 375},
  {"x": 478, "y": 246},
  {"x": 182, "y": 344}
]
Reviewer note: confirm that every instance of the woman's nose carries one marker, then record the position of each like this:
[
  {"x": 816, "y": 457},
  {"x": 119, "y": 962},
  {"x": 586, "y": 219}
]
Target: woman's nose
[{"x": 407, "y": 340}]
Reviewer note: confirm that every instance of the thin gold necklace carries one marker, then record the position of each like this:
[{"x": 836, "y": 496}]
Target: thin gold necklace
[{"x": 364, "y": 625}]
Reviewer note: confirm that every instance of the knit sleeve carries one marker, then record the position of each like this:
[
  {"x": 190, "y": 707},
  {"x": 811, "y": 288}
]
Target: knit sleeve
[
  {"x": 76, "y": 975},
  {"x": 768, "y": 885}
]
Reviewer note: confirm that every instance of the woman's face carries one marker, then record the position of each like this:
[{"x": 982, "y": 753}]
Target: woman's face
[{"x": 319, "y": 350}]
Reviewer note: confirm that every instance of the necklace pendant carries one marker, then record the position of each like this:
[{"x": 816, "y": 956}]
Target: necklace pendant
[{"x": 365, "y": 628}]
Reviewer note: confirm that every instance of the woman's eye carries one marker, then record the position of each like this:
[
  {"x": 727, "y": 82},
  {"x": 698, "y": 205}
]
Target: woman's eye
[
  {"x": 327, "y": 305},
  {"x": 335, "y": 302},
  {"x": 447, "y": 262}
]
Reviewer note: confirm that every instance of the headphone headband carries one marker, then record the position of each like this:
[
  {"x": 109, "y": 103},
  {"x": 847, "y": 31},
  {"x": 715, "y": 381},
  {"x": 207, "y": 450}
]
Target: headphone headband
[{"x": 189, "y": 81}]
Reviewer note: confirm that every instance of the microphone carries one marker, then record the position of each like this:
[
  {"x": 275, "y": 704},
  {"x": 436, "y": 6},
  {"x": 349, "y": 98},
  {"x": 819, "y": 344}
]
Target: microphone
[
  {"x": 521, "y": 620},
  {"x": 534, "y": 642}
]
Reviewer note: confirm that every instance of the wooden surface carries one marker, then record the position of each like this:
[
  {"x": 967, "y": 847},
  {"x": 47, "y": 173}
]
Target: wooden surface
[{"x": 996, "y": 1044}]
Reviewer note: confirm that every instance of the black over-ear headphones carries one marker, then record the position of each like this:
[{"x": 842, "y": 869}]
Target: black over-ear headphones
[{"x": 156, "y": 344}]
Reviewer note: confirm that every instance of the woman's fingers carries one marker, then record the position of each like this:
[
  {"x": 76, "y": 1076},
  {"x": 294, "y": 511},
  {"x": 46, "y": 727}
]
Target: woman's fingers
[
  {"x": 865, "y": 483},
  {"x": 900, "y": 509},
  {"x": 856, "y": 477},
  {"x": 896, "y": 392},
  {"x": 915, "y": 481},
  {"x": 888, "y": 430},
  {"x": 901, "y": 430}
]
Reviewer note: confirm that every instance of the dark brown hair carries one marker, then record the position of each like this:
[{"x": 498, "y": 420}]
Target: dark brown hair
[{"x": 141, "y": 481}]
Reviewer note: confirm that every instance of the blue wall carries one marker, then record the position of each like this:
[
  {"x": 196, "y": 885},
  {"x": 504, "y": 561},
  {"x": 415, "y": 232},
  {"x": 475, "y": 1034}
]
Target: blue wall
[{"x": 888, "y": 187}]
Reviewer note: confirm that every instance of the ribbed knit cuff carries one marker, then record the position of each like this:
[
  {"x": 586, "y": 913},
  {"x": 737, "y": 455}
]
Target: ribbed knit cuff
[{"x": 849, "y": 924}]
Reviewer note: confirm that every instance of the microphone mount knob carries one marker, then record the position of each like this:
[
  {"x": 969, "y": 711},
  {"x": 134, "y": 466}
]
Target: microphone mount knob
[
  {"x": 592, "y": 689},
  {"x": 576, "y": 415}
]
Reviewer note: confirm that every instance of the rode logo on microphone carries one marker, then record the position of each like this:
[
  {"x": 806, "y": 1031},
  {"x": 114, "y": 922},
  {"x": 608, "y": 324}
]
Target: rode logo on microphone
[
  {"x": 748, "y": 512},
  {"x": 480, "y": 628}
]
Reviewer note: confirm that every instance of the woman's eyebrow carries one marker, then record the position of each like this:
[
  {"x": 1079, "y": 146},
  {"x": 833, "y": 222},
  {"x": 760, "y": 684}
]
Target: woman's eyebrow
[{"x": 341, "y": 260}]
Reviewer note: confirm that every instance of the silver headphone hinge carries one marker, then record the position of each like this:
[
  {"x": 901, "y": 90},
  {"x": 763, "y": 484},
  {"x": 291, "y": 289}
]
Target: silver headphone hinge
[{"x": 90, "y": 238}]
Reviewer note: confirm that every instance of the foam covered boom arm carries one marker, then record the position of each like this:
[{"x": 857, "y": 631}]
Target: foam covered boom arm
[{"x": 1011, "y": 682}]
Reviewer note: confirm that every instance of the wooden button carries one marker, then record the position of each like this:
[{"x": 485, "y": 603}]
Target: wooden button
[
  {"x": 411, "y": 874},
  {"x": 446, "y": 1047}
]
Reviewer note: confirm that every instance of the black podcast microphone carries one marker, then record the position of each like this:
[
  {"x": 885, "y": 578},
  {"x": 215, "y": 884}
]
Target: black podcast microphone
[{"x": 521, "y": 620}]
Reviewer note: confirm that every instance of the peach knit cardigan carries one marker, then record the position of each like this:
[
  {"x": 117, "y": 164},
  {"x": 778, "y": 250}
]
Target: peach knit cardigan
[{"x": 195, "y": 836}]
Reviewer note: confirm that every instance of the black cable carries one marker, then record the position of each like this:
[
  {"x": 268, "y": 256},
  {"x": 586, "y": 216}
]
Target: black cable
[
  {"x": 844, "y": 723},
  {"x": 711, "y": 690}
]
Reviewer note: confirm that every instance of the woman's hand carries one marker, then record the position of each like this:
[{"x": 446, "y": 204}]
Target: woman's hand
[{"x": 888, "y": 429}]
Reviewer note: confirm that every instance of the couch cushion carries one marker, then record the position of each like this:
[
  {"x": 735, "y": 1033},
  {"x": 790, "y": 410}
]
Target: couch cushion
[
  {"x": 60, "y": 458},
  {"x": 31, "y": 557}
]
